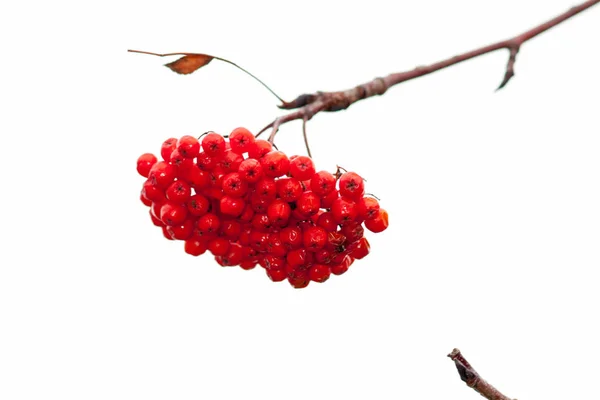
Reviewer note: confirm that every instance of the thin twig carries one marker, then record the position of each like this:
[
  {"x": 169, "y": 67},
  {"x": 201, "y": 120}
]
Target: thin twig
[
  {"x": 308, "y": 105},
  {"x": 473, "y": 380}
]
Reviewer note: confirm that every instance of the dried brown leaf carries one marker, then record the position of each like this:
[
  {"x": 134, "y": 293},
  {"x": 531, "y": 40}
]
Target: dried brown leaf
[{"x": 189, "y": 63}]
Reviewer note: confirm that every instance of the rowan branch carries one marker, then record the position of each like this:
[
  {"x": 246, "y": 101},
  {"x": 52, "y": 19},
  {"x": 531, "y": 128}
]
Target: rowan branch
[
  {"x": 308, "y": 105},
  {"x": 468, "y": 375}
]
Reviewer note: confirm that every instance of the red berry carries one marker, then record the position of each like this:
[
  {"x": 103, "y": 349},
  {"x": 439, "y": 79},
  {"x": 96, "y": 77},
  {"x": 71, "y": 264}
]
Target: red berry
[
  {"x": 248, "y": 264},
  {"x": 234, "y": 185},
  {"x": 241, "y": 140},
  {"x": 155, "y": 220},
  {"x": 279, "y": 212},
  {"x": 231, "y": 229},
  {"x": 218, "y": 246},
  {"x": 230, "y": 162},
  {"x": 195, "y": 246},
  {"x": 276, "y": 275},
  {"x": 207, "y": 162},
  {"x": 379, "y": 223},
  {"x": 196, "y": 177},
  {"x": 272, "y": 262},
  {"x": 308, "y": 203},
  {"x": 288, "y": 189},
  {"x": 259, "y": 240},
  {"x": 319, "y": 273},
  {"x": 167, "y": 148},
  {"x": 343, "y": 210},
  {"x": 162, "y": 174},
  {"x": 275, "y": 246},
  {"x": 351, "y": 185},
  {"x": 322, "y": 183},
  {"x": 261, "y": 222},
  {"x": 208, "y": 224},
  {"x": 198, "y": 205},
  {"x": 360, "y": 249},
  {"x": 314, "y": 238},
  {"x": 327, "y": 222},
  {"x": 233, "y": 206},
  {"x": 352, "y": 230},
  {"x": 299, "y": 281},
  {"x": 367, "y": 207},
  {"x": 153, "y": 192},
  {"x": 188, "y": 146},
  {"x": 266, "y": 188},
  {"x": 340, "y": 268},
  {"x": 179, "y": 191},
  {"x": 275, "y": 164},
  {"x": 291, "y": 237},
  {"x": 302, "y": 168},
  {"x": 327, "y": 201},
  {"x": 183, "y": 231},
  {"x": 145, "y": 163},
  {"x": 297, "y": 258},
  {"x": 172, "y": 213},
  {"x": 259, "y": 148},
  {"x": 251, "y": 170},
  {"x": 147, "y": 202},
  {"x": 234, "y": 256},
  {"x": 213, "y": 144}
]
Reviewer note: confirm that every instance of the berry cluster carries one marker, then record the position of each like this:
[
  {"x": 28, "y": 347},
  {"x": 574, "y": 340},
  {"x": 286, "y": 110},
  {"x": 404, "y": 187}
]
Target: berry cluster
[{"x": 248, "y": 203}]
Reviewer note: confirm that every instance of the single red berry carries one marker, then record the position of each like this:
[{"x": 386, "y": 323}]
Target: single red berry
[
  {"x": 213, "y": 145},
  {"x": 234, "y": 185},
  {"x": 379, "y": 223},
  {"x": 298, "y": 258},
  {"x": 183, "y": 231},
  {"x": 261, "y": 222},
  {"x": 198, "y": 205},
  {"x": 335, "y": 240},
  {"x": 319, "y": 273},
  {"x": 247, "y": 264},
  {"x": 188, "y": 146},
  {"x": 234, "y": 256},
  {"x": 153, "y": 192},
  {"x": 327, "y": 222},
  {"x": 279, "y": 212},
  {"x": 314, "y": 238},
  {"x": 247, "y": 213},
  {"x": 322, "y": 183},
  {"x": 352, "y": 230},
  {"x": 277, "y": 275},
  {"x": 230, "y": 162},
  {"x": 341, "y": 267},
  {"x": 327, "y": 201},
  {"x": 167, "y": 148},
  {"x": 195, "y": 246},
  {"x": 259, "y": 204},
  {"x": 272, "y": 262},
  {"x": 241, "y": 140},
  {"x": 145, "y": 163},
  {"x": 288, "y": 189},
  {"x": 323, "y": 256},
  {"x": 208, "y": 224},
  {"x": 291, "y": 237},
  {"x": 172, "y": 213},
  {"x": 231, "y": 229},
  {"x": 233, "y": 206},
  {"x": 360, "y": 249},
  {"x": 275, "y": 246},
  {"x": 308, "y": 203},
  {"x": 343, "y": 210},
  {"x": 302, "y": 168},
  {"x": 299, "y": 281},
  {"x": 207, "y": 162},
  {"x": 351, "y": 185},
  {"x": 196, "y": 177},
  {"x": 259, "y": 148},
  {"x": 218, "y": 246},
  {"x": 367, "y": 207},
  {"x": 275, "y": 164},
  {"x": 259, "y": 240},
  {"x": 266, "y": 188},
  {"x": 251, "y": 170},
  {"x": 216, "y": 178},
  {"x": 162, "y": 174},
  {"x": 179, "y": 191}
]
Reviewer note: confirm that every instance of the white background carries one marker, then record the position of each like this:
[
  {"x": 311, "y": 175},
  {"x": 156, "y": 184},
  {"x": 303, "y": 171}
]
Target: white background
[{"x": 493, "y": 198}]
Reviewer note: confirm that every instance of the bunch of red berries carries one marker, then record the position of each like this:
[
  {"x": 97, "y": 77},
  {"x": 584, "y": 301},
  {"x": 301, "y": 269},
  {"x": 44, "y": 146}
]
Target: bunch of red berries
[{"x": 248, "y": 203}]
